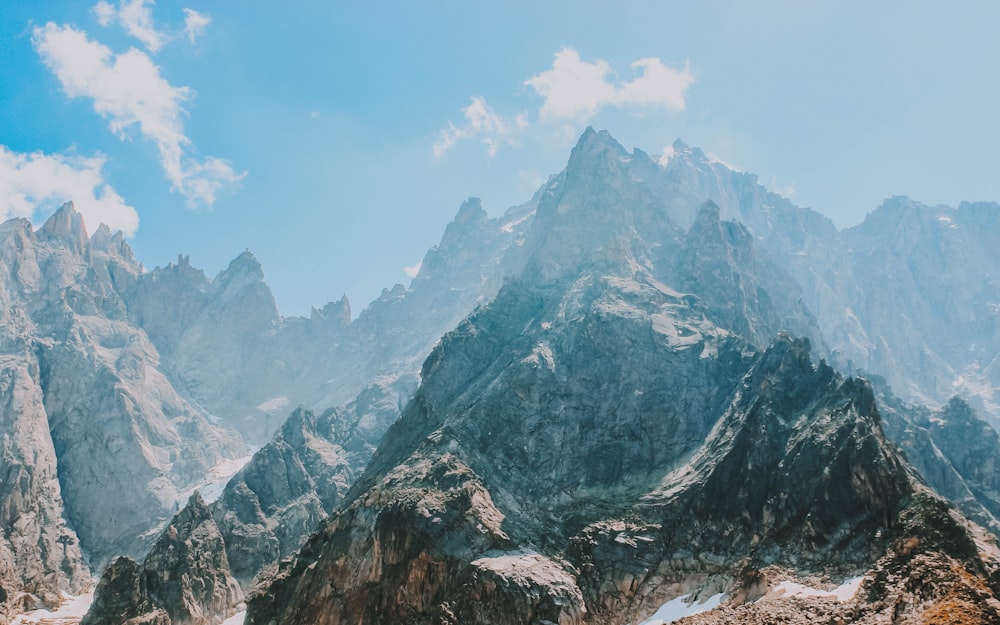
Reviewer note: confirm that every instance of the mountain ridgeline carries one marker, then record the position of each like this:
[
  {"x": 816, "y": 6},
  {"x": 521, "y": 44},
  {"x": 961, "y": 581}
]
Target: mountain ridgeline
[
  {"x": 612, "y": 431},
  {"x": 652, "y": 380}
]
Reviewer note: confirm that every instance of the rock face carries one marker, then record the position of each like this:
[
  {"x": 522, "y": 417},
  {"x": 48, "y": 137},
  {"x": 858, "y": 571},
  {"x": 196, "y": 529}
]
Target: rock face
[
  {"x": 97, "y": 444},
  {"x": 605, "y": 435},
  {"x": 570, "y": 442},
  {"x": 184, "y": 580},
  {"x": 935, "y": 331},
  {"x": 40, "y": 554},
  {"x": 265, "y": 513},
  {"x": 130, "y": 386},
  {"x": 269, "y": 508},
  {"x": 909, "y": 294},
  {"x": 225, "y": 344},
  {"x": 492, "y": 502},
  {"x": 955, "y": 451},
  {"x": 145, "y": 381}
]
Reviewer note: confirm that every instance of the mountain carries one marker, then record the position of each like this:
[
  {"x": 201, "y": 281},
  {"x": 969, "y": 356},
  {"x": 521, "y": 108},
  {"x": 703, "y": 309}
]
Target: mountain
[
  {"x": 926, "y": 291},
  {"x": 954, "y": 450},
  {"x": 609, "y": 433},
  {"x": 908, "y": 294},
  {"x": 95, "y": 430},
  {"x": 184, "y": 578},
  {"x": 626, "y": 387},
  {"x": 131, "y": 387},
  {"x": 264, "y": 514},
  {"x": 148, "y": 380},
  {"x": 223, "y": 342},
  {"x": 277, "y": 500}
]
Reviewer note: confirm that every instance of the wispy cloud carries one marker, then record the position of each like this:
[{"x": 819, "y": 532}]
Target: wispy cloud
[
  {"x": 786, "y": 191},
  {"x": 36, "y": 182},
  {"x": 481, "y": 124},
  {"x": 136, "y": 17},
  {"x": 413, "y": 270},
  {"x": 668, "y": 153},
  {"x": 129, "y": 92},
  {"x": 575, "y": 89},
  {"x": 715, "y": 158},
  {"x": 195, "y": 24}
]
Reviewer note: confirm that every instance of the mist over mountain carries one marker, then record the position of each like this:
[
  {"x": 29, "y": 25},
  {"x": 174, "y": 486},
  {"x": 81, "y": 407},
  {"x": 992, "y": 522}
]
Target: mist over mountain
[{"x": 649, "y": 381}]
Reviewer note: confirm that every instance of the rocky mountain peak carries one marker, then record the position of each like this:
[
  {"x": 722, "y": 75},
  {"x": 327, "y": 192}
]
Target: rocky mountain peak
[
  {"x": 338, "y": 311},
  {"x": 243, "y": 281},
  {"x": 980, "y": 213},
  {"x": 905, "y": 219},
  {"x": 185, "y": 579},
  {"x": 471, "y": 211},
  {"x": 592, "y": 149},
  {"x": 113, "y": 243},
  {"x": 709, "y": 227},
  {"x": 66, "y": 225},
  {"x": 245, "y": 268},
  {"x": 595, "y": 214},
  {"x": 686, "y": 155}
]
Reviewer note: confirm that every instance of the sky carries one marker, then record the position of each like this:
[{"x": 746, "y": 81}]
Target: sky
[{"x": 336, "y": 140}]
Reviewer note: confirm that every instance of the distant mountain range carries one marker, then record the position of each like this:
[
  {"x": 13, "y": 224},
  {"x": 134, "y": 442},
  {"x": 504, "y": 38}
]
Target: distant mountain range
[{"x": 652, "y": 380}]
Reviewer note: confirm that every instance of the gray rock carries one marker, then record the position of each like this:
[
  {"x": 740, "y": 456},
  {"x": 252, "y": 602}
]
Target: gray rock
[{"x": 184, "y": 580}]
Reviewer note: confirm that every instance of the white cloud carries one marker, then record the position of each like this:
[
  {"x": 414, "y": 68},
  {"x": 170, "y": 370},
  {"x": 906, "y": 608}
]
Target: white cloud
[
  {"x": 195, "y": 24},
  {"x": 572, "y": 88},
  {"x": 657, "y": 86},
  {"x": 715, "y": 158},
  {"x": 105, "y": 13},
  {"x": 575, "y": 89},
  {"x": 483, "y": 124},
  {"x": 37, "y": 183},
  {"x": 413, "y": 270},
  {"x": 786, "y": 191},
  {"x": 136, "y": 17},
  {"x": 127, "y": 89},
  {"x": 668, "y": 153}
]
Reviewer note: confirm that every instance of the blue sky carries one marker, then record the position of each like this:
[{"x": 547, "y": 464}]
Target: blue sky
[{"x": 337, "y": 139}]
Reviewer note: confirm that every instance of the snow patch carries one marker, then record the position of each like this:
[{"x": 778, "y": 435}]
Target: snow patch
[
  {"x": 236, "y": 619},
  {"x": 668, "y": 153},
  {"x": 681, "y": 607},
  {"x": 413, "y": 270},
  {"x": 215, "y": 482},
  {"x": 542, "y": 355},
  {"x": 273, "y": 405},
  {"x": 509, "y": 226},
  {"x": 71, "y": 612},
  {"x": 529, "y": 568},
  {"x": 679, "y": 336},
  {"x": 844, "y": 592}
]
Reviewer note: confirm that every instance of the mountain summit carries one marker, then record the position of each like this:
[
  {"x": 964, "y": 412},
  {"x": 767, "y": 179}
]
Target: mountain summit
[{"x": 627, "y": 422}]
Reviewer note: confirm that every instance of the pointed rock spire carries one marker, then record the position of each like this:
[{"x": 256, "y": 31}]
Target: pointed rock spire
[{"x": 66, "y": 225}]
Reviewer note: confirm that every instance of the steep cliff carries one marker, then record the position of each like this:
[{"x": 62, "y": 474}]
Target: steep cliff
[
  {"x": 184, "y": 580},
  {"x": 93, "y": 430}
]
